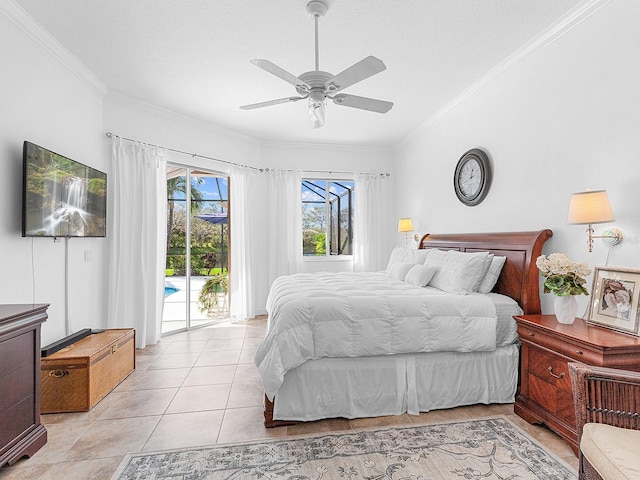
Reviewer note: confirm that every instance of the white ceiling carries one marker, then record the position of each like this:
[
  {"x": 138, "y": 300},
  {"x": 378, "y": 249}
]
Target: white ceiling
[{"x": 192, "y": 56}]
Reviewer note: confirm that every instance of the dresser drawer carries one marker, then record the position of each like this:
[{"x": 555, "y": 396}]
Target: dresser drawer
[
  {"x": 16, "y": 386},
  {"x": 16, "y": 352},
  {"x": 17, "y": 420},
  {"x": 549, "y": 368}
]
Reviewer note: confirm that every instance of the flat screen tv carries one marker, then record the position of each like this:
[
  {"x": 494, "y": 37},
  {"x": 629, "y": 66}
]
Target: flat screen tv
[{"x": 61, "y": 197}]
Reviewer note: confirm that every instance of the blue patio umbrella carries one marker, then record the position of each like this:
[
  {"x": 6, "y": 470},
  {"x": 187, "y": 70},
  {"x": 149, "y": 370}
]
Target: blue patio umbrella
[{"x": 217, "y": 218}]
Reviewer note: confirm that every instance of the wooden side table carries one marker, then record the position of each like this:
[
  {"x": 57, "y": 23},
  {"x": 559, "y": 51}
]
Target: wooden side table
[{"x": 544, "y": 391}]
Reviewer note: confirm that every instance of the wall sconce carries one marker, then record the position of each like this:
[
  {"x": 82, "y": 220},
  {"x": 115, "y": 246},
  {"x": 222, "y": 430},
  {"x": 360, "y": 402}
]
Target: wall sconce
[
  {"x": 589, "y": 207},
  {"x": 405, "y": 225}
]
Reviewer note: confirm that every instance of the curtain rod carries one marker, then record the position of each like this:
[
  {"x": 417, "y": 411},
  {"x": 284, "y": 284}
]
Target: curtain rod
[{"x": 193, "y": 155}]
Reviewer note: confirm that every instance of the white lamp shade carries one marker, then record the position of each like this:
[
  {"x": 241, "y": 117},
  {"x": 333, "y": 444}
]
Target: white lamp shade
[
  {"x": 405, "y": 225},
  {"x": 590, "y": 207}
]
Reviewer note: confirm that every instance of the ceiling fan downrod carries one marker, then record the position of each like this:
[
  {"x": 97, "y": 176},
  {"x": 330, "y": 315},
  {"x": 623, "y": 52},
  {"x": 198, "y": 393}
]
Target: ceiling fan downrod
[{"x": 317, "y": 9}]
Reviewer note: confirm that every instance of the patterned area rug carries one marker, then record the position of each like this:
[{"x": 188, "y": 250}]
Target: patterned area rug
[{"x": 490, "y": 448}]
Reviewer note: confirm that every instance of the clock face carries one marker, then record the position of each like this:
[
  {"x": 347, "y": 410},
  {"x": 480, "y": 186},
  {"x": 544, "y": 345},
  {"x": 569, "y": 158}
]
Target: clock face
[
  {"x": 469, "y": 180},
  {"x": 472, "y": 177}
]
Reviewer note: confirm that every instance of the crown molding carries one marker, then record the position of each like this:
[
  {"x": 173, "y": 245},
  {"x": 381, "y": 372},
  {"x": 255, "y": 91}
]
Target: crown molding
[
  {"x": 289, "y": 145},
  {"x": 53, "y": 47},
  {"x": 541, "y": 41},
  {"x": 123, "y": 99}
]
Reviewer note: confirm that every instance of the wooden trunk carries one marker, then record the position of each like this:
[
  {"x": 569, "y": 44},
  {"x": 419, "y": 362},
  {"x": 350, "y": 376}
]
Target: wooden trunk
[{"x": 77, "y": 377}]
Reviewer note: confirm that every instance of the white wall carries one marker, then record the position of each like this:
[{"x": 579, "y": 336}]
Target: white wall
[
  {"x": 44, "y": 102},
  {"x": 565, "y": 119}
]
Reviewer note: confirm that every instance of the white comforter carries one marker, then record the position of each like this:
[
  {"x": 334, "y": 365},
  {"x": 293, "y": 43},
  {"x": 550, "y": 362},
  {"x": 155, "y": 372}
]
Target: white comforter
[{"x": 364, "y": 314}]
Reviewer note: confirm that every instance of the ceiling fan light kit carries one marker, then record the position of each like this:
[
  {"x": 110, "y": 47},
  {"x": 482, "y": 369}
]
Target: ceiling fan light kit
[{"x": 317, "y": 85}]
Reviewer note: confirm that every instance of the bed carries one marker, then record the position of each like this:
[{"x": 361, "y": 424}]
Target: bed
[{"x": 364, "y": 345}]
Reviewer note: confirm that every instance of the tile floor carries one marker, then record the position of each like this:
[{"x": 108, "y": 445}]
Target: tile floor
[{"x": 197, "y": 388}]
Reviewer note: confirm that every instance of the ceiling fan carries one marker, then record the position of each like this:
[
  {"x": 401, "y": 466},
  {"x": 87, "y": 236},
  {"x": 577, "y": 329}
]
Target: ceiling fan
[{"x": 317, "y": 85}]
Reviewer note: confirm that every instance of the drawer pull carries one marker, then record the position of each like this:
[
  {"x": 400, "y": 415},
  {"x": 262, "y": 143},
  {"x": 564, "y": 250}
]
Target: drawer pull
[
  {"x": 58, "y": 373},
  {"x": 531, "y": 334},
  {"x": 113, "y": 349},
  {"x": 555, "y": 374},
  {"x": 579, "y": 352}
]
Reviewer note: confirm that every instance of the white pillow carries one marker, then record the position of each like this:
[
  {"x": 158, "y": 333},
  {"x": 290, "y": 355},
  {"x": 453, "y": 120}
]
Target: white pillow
[
  {"x": 490, "y": 279},
  {"x": 399, "y": 270},
  {"x": 458, "y": 272},
  {"x": 407, "y": 255},
  {"x": 485, "y": 269},
  {"x": 420, "y": 275}
]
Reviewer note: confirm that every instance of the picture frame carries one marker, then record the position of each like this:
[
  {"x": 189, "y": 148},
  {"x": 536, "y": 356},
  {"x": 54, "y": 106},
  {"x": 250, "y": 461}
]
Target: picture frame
[{"x": 615, "y": 298}]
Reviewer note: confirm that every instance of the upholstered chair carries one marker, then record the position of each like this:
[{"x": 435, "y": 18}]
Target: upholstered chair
[{"x": 607, "y": 404}]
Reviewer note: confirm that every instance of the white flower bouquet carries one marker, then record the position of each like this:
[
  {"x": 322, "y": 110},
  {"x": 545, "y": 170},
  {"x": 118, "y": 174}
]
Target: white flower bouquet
[{"x": 564, "y": 277}]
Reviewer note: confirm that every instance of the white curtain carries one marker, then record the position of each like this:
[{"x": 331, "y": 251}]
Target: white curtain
[
  {"x": 285, "y": 223},
  {"x": 137, "y": 240},
  {"x": 371, "y": 222},
  {"x": 242, "y": 218}
]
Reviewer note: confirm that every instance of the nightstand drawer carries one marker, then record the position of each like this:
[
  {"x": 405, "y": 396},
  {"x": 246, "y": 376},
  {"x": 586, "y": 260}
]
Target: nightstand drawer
[
  {"x": 549, "y": 368},
  {"x": 560, "y": 345},
  {"x": 557, "y": 401}
]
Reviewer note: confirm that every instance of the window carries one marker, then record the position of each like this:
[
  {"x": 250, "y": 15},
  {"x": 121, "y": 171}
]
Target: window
[{"x": 327, "y": 217}]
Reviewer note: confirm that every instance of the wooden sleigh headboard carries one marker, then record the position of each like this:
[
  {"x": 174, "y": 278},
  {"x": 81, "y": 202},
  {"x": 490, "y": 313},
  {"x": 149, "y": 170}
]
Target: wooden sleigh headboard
[{"x": 520, "y": 278}]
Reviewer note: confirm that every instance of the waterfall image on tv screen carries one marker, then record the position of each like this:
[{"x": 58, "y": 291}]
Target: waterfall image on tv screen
[{"x": 61, "y": 197}]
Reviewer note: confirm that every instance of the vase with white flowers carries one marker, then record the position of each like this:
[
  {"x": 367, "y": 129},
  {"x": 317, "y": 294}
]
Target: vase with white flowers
[{"x": 565, "y": 279}]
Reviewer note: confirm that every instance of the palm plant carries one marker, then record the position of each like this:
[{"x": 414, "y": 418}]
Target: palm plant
[{"x": 208, "y": 297}]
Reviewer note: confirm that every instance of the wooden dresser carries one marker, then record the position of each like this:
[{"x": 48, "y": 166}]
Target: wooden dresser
[
  {"x": 544, "y": 393},
  {"x": 21, "y": 433}
]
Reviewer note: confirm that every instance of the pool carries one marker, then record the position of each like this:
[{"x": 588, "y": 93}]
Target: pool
[{"x": 169, "y": 288}]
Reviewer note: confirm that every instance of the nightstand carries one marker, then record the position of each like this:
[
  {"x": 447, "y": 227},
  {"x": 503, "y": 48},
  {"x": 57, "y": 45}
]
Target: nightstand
[{"x": 544, "y": 390}]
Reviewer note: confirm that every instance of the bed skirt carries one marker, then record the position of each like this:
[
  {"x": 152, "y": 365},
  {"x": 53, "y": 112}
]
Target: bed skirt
[{"x": 395, "y": 384}]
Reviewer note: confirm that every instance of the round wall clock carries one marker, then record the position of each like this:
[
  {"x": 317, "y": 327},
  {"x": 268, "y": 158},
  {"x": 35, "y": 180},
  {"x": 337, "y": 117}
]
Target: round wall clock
[{"x": 472, "y": 178}]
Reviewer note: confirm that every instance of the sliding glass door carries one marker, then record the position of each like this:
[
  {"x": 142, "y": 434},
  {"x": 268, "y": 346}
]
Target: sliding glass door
[{"x": 197, "y": 267}]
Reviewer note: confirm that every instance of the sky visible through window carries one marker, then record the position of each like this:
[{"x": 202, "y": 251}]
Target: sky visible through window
[{"x": 211, "y": 188}]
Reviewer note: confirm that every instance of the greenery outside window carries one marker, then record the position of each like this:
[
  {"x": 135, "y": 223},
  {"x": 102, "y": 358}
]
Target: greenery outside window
[{"x": 327, "y": 217}]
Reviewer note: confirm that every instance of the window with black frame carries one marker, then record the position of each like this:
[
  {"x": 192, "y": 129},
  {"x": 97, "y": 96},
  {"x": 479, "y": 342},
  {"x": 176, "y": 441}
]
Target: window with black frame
[{"x": 327, "y": 217}]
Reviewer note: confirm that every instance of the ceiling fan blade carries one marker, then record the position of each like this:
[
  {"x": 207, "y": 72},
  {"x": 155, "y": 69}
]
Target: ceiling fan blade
[
  {"x": 363, "y": 103},
  {"x": 279, "y": 72},
  {"x": 355, "y": 73},
  {"x": 271, "y": 102}
]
